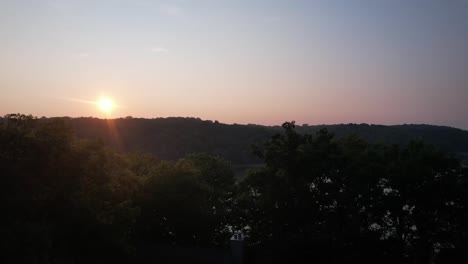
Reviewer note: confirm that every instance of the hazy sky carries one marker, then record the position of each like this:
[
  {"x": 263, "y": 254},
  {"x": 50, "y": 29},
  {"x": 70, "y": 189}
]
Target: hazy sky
[{"x": 249, "y": 61}]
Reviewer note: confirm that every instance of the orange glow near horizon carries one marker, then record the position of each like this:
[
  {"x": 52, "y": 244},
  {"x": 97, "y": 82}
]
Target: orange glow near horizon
[{"x": 314, "y": 62}]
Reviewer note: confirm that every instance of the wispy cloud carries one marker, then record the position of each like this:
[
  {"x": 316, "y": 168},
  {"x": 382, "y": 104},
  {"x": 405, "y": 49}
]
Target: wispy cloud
[
  {"x": 83, "y": 54},
  {"x": 90, "y": 102},
  {"x": 77, "y": 100},
  {"x": 60, "y": 5},
  {"x": 171, "y": 10},
  {"x": 159, "y": 50}
]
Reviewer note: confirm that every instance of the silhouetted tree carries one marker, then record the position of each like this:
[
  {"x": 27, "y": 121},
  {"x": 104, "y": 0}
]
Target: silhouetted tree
[
  {"x": 187, "y": 202},
  {"x": 317, "y": 197},
  {"x": 369, "y": 202}
]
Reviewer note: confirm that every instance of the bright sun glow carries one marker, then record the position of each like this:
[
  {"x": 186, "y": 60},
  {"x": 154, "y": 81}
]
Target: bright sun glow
[{"x": 106, "y": 105}]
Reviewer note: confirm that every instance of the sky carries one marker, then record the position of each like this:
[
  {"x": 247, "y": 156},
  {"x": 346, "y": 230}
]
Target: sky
[{"x": 252, "y": 61}]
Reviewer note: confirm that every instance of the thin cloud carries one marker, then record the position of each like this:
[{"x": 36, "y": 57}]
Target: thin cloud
[
  {"x": 171, "y": 10},
  {"x": 60, "y": 6},
  {"x": 77, "y": 100},
  {"x": 159, "y": 50},
  {"x": 83, "y": 54},
  {"x": 81, "y": 101}
]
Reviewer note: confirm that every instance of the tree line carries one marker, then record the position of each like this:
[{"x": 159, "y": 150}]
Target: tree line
[
  {"x": 174, "y": 137},
  {"x": 317, "y": 197}
]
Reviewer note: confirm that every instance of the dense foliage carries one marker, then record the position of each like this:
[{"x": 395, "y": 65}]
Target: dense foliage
[
  {"x": 173, "y": 138},
  {"x": 70, "y": 200},
  {"x": 65, "y": 200},
  {"x": 347, "y": 200}
]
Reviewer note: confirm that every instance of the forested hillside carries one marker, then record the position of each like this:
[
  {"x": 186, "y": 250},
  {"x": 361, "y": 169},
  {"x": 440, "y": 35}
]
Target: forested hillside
[
  {"x": 70, "y": 200},
  {"x": 172, "y": 138}
]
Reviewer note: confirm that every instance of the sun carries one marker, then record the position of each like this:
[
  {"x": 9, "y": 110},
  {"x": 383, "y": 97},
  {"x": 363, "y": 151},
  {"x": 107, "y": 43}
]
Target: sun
[{"x": 106, "y": 105}]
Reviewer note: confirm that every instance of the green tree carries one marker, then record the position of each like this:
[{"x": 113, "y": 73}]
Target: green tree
[
  {"x": 369, "y": 202},
  {"x": 186, "y": 202},
  {"x": 62, "y": 199}
]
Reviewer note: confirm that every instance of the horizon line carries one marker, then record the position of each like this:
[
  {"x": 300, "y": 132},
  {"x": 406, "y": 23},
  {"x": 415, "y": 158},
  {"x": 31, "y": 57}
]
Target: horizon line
[{"x": 244, "y": 124}]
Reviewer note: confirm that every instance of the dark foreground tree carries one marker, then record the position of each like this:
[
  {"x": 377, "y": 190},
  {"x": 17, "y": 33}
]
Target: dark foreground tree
[
  {"x": 187, "y": 202},
  {"x": 65, "y": 200},
  {"x": 316, "y": 199},
  {"x": 61, "y": 200},
  {"x": 347, "y": 200}
]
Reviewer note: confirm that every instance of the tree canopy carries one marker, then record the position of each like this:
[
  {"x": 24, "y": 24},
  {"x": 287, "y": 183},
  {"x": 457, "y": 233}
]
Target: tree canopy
[
  {"x": 174, "y": 137},
  {"x": 316, "y": 196}
]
